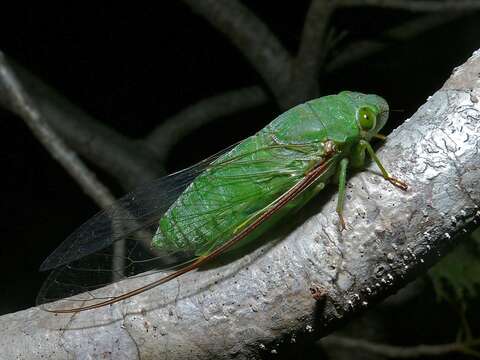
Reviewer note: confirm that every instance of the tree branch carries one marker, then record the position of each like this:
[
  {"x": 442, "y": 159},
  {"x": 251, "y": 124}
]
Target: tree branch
[
  {"x": 415, "y": 5},
  {"x": 360, "y": 50},
  {"x": 312, "y": 52},
  {"x": 129, "y": 162},
  {"x": 400, "y": 352},
  {"x": 161, "y": 140},
  {"x": 132, "y": 161},
  {"x": 252, "y": 37},
  {"x": 242, "y": 306},
  {"x": 14, "y": 97}
]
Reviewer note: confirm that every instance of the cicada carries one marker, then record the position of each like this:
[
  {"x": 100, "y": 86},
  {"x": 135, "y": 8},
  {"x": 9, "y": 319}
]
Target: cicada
[{"x": 191, "y": 217}]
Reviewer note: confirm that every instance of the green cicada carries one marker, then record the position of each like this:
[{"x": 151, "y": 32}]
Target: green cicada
[{"x": 190, "y": 217}]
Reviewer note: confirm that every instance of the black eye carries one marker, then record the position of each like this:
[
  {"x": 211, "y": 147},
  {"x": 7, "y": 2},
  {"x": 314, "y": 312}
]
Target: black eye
[{"x": 366, "y": 118}]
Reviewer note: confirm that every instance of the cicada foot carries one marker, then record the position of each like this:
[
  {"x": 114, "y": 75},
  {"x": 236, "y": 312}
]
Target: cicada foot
[
  {"x": 380, "y": 136},
  {"x": 398, "y": 183},
  {"x": 341, "y": 222}
]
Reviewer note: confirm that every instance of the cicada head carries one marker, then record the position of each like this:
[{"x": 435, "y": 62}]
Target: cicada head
[{"x": 371, "y": 112}]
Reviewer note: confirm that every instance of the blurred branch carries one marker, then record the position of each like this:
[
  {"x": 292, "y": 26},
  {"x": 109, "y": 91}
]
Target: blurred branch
[
  {"x": 132, "y": 161},
  {"x": 161, "y": 140},
  {"x": 294, "y": 80},
  {"x": 312, "y": 51},
  {"x": 14, "y": 97},
  {"x": 415, "y": 5},
  {"x": 362, "y": 49},
  {"x": 129, "y": 162},
  {"x": 252, "y": 37},
  {"x": 401, "y": 352}
]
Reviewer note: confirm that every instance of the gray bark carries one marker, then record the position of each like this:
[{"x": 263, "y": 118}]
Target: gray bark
[{"x": 246, "y": 306}]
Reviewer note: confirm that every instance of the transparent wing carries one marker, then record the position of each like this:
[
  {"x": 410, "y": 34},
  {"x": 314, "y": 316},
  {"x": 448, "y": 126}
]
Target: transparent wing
[
  {"x": 135, "y": 211},
  {"x": 116, "y": 243}
]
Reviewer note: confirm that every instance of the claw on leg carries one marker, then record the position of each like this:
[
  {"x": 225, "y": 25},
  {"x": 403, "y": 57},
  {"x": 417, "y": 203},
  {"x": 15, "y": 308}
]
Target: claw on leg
[
  {"x": 398, "y": 183},
  {"x": 341, "y": 222},
  {"x": 380, "y": 136}
]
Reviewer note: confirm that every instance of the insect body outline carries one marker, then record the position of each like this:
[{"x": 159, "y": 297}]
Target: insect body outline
[{"x": 228, "y": 199}]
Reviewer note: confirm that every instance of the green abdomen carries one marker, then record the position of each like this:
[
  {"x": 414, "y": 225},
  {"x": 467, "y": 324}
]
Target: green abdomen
[{"x": 222, "y": 198}]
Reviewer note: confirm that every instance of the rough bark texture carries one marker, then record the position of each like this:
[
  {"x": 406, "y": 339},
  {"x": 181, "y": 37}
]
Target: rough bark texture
[{"x": 308, "y": 281}]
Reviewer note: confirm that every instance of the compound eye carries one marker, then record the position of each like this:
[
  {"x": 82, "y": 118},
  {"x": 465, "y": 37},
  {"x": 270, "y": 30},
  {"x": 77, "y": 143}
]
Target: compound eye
[{"x": 366, "y": 118}]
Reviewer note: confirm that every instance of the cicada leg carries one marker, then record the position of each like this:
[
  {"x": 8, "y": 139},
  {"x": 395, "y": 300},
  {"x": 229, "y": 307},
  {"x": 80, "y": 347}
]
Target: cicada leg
[
  {"x": 342, "y": 180},
  {"x": 397, "y": 182},
  {"x": 380, "y": 136}
]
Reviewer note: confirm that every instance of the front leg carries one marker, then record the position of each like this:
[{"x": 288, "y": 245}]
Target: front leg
[
  {"x": 398, "y": 183},
  {"x": 342, "y": 180}
]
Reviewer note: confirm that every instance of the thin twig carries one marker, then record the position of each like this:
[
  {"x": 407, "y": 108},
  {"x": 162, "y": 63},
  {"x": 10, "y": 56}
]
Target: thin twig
[
  {"x": 200, "y": 113},
  {"x": 415, "y": 5},
  {"x": 312, "y": 51},
  {"x": 207, "y": 110},
  {"x": 252, "y": 37},
  {"x": 129, "y": 162},
  {"x": 399, "y": 352},
  {"x": 14, "y": 97},
  {"x": 360, "y": 50}
]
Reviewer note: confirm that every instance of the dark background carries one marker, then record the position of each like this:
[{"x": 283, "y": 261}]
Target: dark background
[{"x": 132, "y": 66}]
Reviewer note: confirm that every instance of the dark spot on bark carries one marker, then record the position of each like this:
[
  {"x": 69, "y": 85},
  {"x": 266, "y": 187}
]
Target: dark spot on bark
[
  {"x": 318, "y": 293},
  {"x": 379, "y": 270}
]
